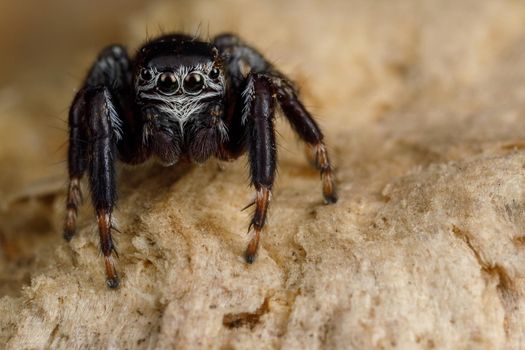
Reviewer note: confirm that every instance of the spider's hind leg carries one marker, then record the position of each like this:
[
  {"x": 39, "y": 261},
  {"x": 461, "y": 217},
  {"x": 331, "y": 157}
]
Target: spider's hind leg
[{"x": 308, "y": 130}]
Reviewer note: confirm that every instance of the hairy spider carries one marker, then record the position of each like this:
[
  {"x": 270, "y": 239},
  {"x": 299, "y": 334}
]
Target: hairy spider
[{"x": 180, "y": 98}]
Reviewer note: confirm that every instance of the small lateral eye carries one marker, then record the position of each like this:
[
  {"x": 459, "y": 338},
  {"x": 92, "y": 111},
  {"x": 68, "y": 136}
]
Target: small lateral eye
[
  {"x": 168, "y": 83},
  {"x": 145, "y": 74},
  {"x": 194, "y": 83},
  {"x": 214, "y": 73}
]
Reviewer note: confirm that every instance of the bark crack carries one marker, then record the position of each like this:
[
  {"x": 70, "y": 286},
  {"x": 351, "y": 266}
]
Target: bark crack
[
  {"x": 507, "y": 292},
  {"x": 249, "y": 319}
]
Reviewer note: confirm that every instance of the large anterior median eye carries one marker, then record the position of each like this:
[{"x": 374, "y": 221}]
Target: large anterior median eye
[
  {"x": 194, "y": 83},
  {"x": 168, "y": 83}
]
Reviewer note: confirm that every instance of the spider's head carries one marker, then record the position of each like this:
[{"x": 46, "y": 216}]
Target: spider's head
[
  {"x": 180, "y": 86},
  {"x": 175, "y": 72}
]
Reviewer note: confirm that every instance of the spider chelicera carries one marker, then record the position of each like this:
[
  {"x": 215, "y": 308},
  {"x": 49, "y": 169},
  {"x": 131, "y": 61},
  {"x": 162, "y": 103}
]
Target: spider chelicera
[{"x": 181, "y": 98}]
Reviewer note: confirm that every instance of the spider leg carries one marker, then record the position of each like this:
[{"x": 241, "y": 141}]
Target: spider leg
[
  {"x": 308, "y": 130},
  {"x": 102, "y": 148},
  {"x": 77, "y": 157},
  {"x": 97, "y": 152},
  {"x": 95, "y": 128},
  {"x": 258, "y": 83},
  {"x": 262, "y": 152}
]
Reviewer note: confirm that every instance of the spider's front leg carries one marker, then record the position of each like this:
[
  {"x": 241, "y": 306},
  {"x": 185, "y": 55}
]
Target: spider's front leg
[
  {"x": 259, "y": 107},
  {"x": 99, "y": 158},
  {"x": 102, "y": 150},
  {"x": 94, "y": 128}
]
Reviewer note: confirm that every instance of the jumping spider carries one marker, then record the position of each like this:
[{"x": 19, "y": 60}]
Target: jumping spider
[{"x": 180, "y": 98}]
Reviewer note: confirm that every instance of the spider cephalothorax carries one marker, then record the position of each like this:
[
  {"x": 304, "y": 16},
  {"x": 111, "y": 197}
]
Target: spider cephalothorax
[
  {"x": 182, "y": 98},
  {"x": 180, "y": 86}
]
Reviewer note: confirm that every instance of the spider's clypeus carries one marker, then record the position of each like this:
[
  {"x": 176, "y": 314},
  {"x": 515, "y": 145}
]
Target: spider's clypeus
[{"x": 181, "y": 98}]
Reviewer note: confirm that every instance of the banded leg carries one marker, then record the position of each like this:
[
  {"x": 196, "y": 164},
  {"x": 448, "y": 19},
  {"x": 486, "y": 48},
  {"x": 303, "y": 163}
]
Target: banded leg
[
  {"x": 308, "y": 130},
  {"x": 262, "y": 153},
  {"x": 94, "y": 129},
  {"x": 77, "y": 156},
  {"x": 100, "y": 115}
]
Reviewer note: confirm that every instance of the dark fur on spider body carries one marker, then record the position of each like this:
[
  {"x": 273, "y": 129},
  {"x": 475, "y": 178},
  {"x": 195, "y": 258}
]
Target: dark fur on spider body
[{"x": 180, "y": 98}]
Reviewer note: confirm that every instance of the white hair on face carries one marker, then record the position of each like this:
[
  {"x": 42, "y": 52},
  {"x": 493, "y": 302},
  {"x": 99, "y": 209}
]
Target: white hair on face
[
  {"x": 116, "y": 123},
  {"x": 248, "y": 95},
  {"x": 181, "y": 107}
]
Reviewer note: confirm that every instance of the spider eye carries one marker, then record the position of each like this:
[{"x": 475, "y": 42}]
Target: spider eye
[
  {"x": 194, "y": 83},
  {"x": 145, "y": 74},
  {"x": 168, "y": 83},
  {"x": 214, "y": 73}
]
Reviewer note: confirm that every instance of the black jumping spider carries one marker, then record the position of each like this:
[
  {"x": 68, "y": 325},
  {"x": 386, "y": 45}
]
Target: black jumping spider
[{"x": 182, "y": 99}]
